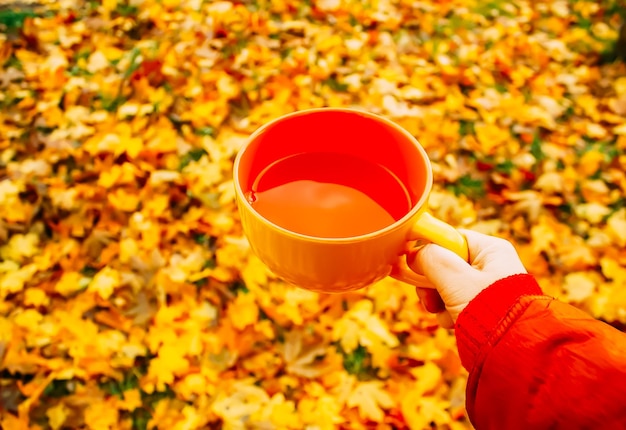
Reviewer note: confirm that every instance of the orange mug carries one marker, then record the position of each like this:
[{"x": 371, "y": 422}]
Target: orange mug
[{"x": 332, "y": 199}]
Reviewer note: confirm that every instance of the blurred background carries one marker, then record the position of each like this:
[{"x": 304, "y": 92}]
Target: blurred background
[{"x": 129, "y": 298}]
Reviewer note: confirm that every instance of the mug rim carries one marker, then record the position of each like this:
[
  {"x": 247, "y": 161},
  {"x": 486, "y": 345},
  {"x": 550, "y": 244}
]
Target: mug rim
[{"x": 415, "y": 209}]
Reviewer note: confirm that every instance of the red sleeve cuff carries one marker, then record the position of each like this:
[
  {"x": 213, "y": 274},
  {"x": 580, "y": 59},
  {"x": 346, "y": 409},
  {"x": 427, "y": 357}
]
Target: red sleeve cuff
[{"x": 477, "y": 322}]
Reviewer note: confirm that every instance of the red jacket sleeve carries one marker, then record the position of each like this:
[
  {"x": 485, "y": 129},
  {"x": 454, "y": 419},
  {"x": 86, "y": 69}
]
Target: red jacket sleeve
[{"x": 537, "y": 363}]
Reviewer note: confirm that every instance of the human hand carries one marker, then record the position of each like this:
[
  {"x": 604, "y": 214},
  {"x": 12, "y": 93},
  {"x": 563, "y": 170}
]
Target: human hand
[{"x": 458, "y": 282}]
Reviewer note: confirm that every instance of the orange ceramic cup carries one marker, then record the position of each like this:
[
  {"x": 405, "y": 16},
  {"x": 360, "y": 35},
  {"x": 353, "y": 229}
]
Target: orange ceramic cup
[{"x": 335, "y": 265}]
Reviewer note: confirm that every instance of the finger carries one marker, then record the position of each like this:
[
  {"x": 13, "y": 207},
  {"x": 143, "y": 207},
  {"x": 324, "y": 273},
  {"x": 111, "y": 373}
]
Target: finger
[
  {"x": 402, "y": 272},
  {"x": 440, "y": 265},
  {"x": 490, "y": 252},
  {"x": 445, "y": 320},
  {"x": 477, "y": 241},
  {"x": 431, "y": 300}
]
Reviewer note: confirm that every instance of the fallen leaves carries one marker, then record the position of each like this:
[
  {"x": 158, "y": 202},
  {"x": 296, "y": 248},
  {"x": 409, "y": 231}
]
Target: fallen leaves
[
  {"x": 129, "y": 297},
  {"x": 370, "y": 399},
  {"x": 359, "y": 326}
]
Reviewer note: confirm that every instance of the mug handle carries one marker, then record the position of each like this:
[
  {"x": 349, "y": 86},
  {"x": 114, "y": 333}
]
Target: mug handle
[{"x": 433, "y": 230}]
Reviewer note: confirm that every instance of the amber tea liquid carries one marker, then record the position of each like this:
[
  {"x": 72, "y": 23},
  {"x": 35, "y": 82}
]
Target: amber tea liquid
[{"x": 329, "y": 195}]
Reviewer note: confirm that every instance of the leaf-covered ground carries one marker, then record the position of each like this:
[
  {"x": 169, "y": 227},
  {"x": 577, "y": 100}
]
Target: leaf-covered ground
[{"x": 129, "y": 298}]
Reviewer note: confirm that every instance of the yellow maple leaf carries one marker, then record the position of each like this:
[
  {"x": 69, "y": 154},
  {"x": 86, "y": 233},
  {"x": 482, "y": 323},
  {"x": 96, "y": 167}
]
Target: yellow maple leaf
[
  {"x": 123, "y": 200},
  {"x": 322, "y": 412},
  {"x": 347, "y": 331},
  {"x": 491, "y": 137},
  {"x": 579, "y": 286},
  {"x": 119, "y": 142},
  {"x": 620, "y": 129},
  {"x": 6, "y": 335},
  {"x": 102, "y": 414},
  {"x": 550, "y": 182},
  {"x": 616, "y": 227},
  {"x": 254, "y": 273},
  {"x": 131, "y": 400},
  {"x": 13, "y": 280},
  {"x": 203, "y": 175},
  {"x": 9, "y": 193},
  {"x": 370, "y": 398},
  {"x": 590, "y": 162},
  {"x": 64, "y": 198},
  {"x": 301, "y": 360},
  {"x": 97, "y": 61},
  {"x": 620, "y": 86},
  {"x": 611, "y": 269},
  {"x": 163, "y": 177},
  {"x": 427, "y": 378},
  {"x": 28, "y": 319},
  {"x": 243, "y": 311},
  {"x": 109, "y": 5},
  {"x": 105, "y": 282},
  {"x": 70, "y": 282},
  {"x": 297, "y": 303},
  {"x": 592, "y": 212},
  {"x": 366, "y": 326},
  {"x": 181, "y": 267},
  {"x": 193, "y": 385},
  {"x": 118, "y": 174},
  {"x": 420, "y": 411},
  {"x": 596, "y": 131},
  {"x": 57, "y": 415},
  {"x": 36, "y": 297},
  {"x": 211, "y": 112},
  {"x": 595, "y": 191},
  {"x": 170, "y": 362},
  {"x": 244, "y": 400},
  {"x": 20, "y": 247},
  {"x": 279, "y": 412},
  {"x": 576, "y": 254},
  {"x": 128, "y": 248},
  {"x": 233, "y": 253},
  {"x": 10, "y": 421}
]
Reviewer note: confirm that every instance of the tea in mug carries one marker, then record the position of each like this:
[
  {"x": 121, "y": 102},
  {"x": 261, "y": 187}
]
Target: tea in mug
[{"x": 329, "y": 195}]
